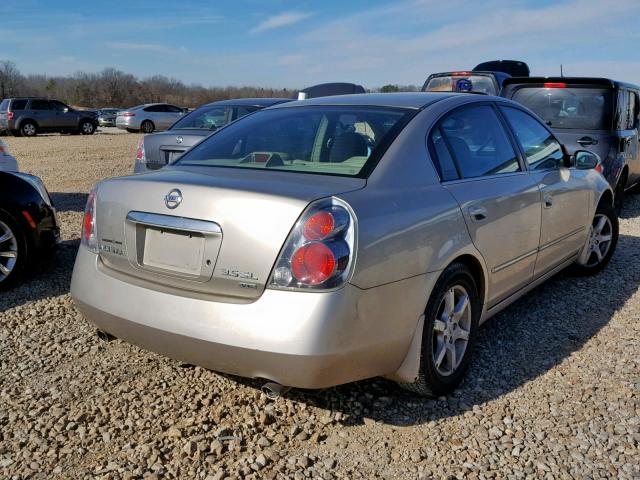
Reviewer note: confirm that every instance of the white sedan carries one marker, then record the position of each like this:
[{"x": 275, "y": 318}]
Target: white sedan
[{"x": 7, "y": 162}]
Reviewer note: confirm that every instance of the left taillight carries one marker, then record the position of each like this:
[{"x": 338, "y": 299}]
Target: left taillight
[
  {"x": 89, "y": 235},
  {"x": 319, "y": 253},
  {"x": 140, "y": 151}
]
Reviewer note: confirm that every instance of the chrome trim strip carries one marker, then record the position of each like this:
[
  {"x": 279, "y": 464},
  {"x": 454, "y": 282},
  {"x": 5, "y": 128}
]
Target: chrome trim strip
[
  {"x": 515, "y": 260},
  {"x": 561, "y": 239},
  {"x": 174, "y": 223}
]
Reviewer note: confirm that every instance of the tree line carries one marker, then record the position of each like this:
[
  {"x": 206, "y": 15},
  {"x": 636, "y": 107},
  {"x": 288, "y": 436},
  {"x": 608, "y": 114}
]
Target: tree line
[{"x": 114, "y": 88}]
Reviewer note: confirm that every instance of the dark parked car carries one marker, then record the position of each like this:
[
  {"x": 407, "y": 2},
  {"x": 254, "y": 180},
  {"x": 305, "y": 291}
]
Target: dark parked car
[
  {"x": 28, "y": 225},
  {"x": 156, "y": 150},
  {"x": 486, "y": 77},
  {"x": 28, "y": 116},
  {"x": 107, "y": 117},
  {"x": 597, "y": 114},
  {"x": 330, "y": 89}
]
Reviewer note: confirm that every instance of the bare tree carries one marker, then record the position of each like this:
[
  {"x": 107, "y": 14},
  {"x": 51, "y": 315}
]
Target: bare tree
[{"x": 10, "y": 78}]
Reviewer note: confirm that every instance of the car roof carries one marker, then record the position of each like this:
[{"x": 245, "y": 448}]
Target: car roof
[
  {"x": 414, "y": 100},
  {"x": 251, "y": 102},
  {"x": 605, "y": 82}
]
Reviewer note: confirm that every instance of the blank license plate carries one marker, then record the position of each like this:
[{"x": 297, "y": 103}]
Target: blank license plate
[{"x": 175, "y": 251}]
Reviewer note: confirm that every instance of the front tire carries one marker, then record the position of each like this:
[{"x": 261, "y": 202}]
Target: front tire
[
  {"x": 87, "y": 127},
  {"x": 601, "y": 242},
  {"x": 449, "y": 333},
  {"x": 13, "y": 251},
  {"x": 147, "y": 126},
  {"x": 28, "y": 129}
]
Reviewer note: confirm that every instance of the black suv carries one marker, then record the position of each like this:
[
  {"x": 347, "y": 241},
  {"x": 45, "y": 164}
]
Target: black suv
[
  {"x": 28, "y": 116},
  {"x": 596, "y": 114}
]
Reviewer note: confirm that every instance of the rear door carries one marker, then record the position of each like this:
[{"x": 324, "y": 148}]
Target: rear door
[
  {"x": 500, "y": 200},
  {"x": 581, "y": 116},
  {"x": 40, "y": 111},
  {"x": 565, "y": 193},
  {"x": 627, "y": 119}
]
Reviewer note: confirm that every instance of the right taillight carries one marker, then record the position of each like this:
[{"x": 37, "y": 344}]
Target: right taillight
[
  {"x": 9, "y": 115},
  {"x": 140, "y": 150},
  {"x": 89, "y": 235},
  {"x": 319, "y": 253}
]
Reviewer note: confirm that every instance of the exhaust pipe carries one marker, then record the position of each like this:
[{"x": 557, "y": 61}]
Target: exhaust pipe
[
  {"x": 274, "y": 390},
  {"x": 104, "y": 336}
]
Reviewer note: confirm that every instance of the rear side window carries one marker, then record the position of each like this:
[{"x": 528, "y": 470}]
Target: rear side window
[
  {"x": 242, "y": 111},
  {"x": 570, "y": 107},
  {"x": 18, "y": 105},
  {"x": 206, "y": 118},
  {"x": 39, "y": 105},
  {"x": 4, "y": 106},
  {"x": 477, "y": 142},
  {"x": 541, "y": 150}
]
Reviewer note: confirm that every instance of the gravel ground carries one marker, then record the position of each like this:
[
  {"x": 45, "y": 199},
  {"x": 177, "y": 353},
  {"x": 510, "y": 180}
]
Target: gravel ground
[{"x": 553, "y": 391}]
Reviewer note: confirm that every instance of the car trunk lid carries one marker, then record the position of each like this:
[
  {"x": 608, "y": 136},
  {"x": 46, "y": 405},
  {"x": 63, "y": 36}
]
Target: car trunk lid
[
  {"x": 205, "y": 230},
  {"x": 163, "y": 148}
]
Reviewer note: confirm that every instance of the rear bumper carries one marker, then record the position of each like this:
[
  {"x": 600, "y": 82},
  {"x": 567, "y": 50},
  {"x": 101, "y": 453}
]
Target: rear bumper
[{"x": 299, "y": 339}]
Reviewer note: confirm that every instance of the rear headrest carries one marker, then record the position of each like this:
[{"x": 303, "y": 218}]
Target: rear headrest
[{"x": 347, "y": 145}]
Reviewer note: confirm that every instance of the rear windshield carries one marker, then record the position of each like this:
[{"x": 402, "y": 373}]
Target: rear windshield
[
  {"x": 206, "y": 118},
  {"x": 452, "y": 83},
  {"x": 571, "y": 108},
  {"x": 336, "y": 140}
]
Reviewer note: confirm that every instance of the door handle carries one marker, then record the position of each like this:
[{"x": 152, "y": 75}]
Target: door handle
[
  {"x": 548, "y": 201},
  {"x": 478, "y": 213},
  {"x": 584, "y": 141}
]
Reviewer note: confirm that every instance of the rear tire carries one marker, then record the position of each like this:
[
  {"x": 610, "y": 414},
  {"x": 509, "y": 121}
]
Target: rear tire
[
  {"x": 147, "y": 126},
  {"x": 602, "y": 241},
  {"x": 13, "y": 251},
  {"x": 449, "y": 333},
  {"x": 28, "y": 129}
]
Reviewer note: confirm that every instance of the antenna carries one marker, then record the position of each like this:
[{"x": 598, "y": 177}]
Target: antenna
[{"x": 561, "y": 73}]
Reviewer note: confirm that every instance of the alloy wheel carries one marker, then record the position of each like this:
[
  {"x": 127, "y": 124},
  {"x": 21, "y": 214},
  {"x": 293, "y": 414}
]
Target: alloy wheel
[
  {"x": 451, "y": 330},
  {"x": 87, "y": 128},
  {"x": 8, "y": 251},
  {"x": 29, "y": 129},
  {"x": 599, "y": 239}
]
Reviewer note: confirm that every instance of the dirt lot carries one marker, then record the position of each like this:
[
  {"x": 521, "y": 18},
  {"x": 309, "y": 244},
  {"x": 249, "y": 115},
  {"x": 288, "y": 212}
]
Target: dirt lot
[{"x": 553, "y": 392}]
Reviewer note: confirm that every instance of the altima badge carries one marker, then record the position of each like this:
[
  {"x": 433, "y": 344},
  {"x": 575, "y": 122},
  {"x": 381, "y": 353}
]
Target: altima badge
[
  {"x": 173, "y": 199},
  {"x": 179, "y": 139}
]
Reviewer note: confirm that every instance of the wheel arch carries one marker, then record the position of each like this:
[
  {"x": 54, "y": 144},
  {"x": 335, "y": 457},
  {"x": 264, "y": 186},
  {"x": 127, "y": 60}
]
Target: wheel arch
[{"x": 27, "y": 119}]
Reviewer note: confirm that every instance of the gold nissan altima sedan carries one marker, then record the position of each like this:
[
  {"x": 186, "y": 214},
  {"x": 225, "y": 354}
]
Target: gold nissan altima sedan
[{"x": 324, "y": 241}]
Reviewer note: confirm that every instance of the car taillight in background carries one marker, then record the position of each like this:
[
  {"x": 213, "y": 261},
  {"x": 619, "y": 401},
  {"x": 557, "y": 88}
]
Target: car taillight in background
[
  {"x": 128, "y": 114},
  {"x": 140, "y": 151},
  {"x": 3, "y": 148},
  {"x": 319, "y": 253},
  {"x": 89, "y": 235},
  {"x": 9, "y": 115}
]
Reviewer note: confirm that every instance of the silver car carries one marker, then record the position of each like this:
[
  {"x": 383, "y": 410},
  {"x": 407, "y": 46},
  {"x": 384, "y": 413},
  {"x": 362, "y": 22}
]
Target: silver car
[
  {"x": 157, "y": 150},
  {"x": 321, "y": 242},
  {"x": 148, "y": 118},
  {"x": 7, "y": 162}
]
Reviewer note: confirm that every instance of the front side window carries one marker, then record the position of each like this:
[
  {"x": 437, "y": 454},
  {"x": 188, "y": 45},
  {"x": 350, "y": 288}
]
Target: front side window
[
  {"x": 58, "y": 106},
  {"x": 173, "y": 109},
  {"x": 205, "y": 118},
  {"x": 477, "y": 142},
  {"x": 569, "y": 107},
  {"x": 155, "y": 108},
  {"x": 330, "y": 140},
  {"x": 541, "y": 149}
]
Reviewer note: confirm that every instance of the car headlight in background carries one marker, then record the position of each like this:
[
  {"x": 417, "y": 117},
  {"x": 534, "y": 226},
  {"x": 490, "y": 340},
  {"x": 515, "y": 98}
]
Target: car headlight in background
[{"x": 36, "y": 183}]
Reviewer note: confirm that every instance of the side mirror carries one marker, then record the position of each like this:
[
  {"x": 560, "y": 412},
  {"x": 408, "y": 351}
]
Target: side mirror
[
  {"x": 65, "y": 110},
  {"x": 585, "y": 160}
]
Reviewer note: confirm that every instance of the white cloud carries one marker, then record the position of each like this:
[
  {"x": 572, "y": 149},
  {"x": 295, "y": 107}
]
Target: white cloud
[
  {"x": 281, "y": 20},
  {"x": 145, "y": 47}
]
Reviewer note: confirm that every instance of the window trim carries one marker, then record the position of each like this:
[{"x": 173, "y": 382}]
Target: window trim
[
  {"x": 434, "y": 158},
  {"x": 519, "y": 145}
]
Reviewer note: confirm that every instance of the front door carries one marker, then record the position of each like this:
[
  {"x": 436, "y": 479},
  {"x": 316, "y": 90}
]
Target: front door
[
  {"x": 64, "y": 118},
  {"x": 565, "y": 194},
  {"x": 499, "y": 199}
]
